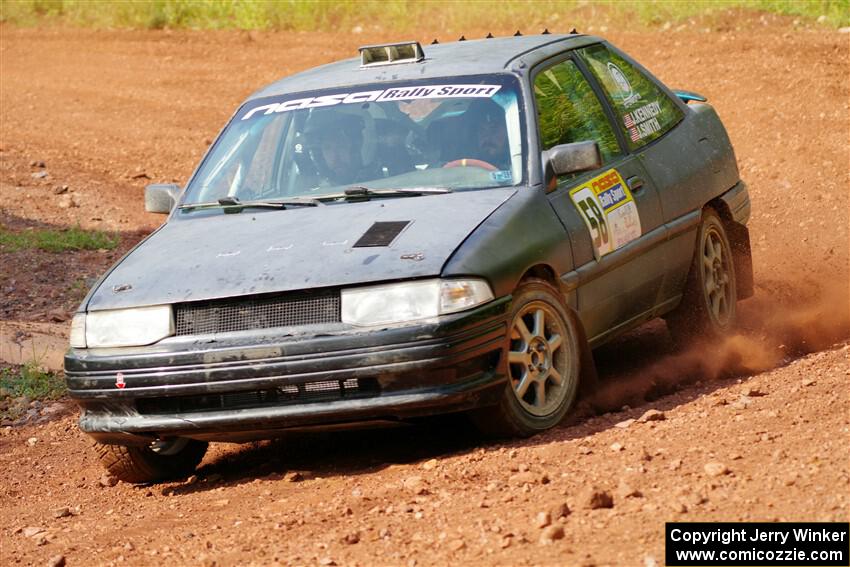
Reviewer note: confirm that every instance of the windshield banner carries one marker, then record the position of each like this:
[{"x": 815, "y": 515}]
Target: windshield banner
[{"x": 393, "y": 94}]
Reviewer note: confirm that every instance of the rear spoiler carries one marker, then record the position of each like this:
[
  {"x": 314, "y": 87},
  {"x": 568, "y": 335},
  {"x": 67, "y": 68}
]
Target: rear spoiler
[{"x": 689, "y": 96}]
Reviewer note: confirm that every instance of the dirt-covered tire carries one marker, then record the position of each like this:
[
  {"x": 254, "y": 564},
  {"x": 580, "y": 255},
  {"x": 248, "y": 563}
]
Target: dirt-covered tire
[
  {"x": 162, "y": 460},
  {"x": 708, "y": 307},
  {"x": 542, "y": 358}
]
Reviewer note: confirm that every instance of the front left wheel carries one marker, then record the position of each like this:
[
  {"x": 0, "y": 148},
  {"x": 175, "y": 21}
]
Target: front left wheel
[
  {"x": 161, "y": 460},
  {"x": 543, "y": 355}
]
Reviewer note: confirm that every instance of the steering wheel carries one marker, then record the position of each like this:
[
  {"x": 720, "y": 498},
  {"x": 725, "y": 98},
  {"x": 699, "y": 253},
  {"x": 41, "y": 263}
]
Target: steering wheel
[{"x": 472, "y": 162}]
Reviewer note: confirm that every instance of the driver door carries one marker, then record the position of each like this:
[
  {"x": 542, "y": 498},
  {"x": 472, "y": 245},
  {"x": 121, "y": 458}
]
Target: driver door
[{"x": 608, "y": 213}]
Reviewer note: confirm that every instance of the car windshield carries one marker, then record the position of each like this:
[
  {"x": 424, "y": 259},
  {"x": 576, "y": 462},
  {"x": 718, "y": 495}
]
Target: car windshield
[{"x": 458, "y": 134}]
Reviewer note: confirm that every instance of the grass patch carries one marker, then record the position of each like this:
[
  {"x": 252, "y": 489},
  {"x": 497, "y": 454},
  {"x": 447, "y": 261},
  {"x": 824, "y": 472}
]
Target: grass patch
[
  {"x": 397, "y": 15},
  {"x": 19, "y": 385},
  {"x": 56, "y": 240},
  {"x": 32, "y": 382},
  {"x": 835, "y": 13}
]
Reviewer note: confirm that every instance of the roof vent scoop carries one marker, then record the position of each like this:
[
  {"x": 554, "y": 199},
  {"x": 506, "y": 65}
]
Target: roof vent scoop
[{"x": 391, "y": 54}]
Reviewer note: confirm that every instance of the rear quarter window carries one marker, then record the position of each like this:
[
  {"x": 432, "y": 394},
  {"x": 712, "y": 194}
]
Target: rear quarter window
[{"x": 644, "y": 111}]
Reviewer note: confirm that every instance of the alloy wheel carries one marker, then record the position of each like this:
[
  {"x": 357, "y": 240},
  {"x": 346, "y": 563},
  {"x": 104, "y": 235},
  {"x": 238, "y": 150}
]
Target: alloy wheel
[
  {"x": 716, "y": 276},
  {"x": 538, "y": 358}
]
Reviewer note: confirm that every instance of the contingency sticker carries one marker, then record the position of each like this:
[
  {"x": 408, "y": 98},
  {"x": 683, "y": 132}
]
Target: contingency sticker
[{"x": 609, "y": 211}]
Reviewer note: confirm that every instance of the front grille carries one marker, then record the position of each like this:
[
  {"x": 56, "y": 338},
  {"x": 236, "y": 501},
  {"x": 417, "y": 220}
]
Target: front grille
[
  {"x": 248, "y": 313},
  {"x": 323, "y": 391}
]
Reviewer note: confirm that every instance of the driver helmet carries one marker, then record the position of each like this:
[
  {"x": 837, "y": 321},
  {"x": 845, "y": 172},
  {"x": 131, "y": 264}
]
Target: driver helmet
[
  {"x": 335, "y": 132},
  {"x": 485, "y": 113},
  {"x": 486, "y": 121}
]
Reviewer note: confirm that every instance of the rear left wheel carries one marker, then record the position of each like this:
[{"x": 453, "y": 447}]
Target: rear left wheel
[
  {"x": 709, "y": 303},
  {"x": 543, "y": 356}
]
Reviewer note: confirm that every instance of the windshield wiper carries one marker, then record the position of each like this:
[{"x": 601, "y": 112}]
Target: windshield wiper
[
  {"x": 355, "y": 193},
  {"x": 233, "y": 204},
  {"x": 363, "y": 193}
]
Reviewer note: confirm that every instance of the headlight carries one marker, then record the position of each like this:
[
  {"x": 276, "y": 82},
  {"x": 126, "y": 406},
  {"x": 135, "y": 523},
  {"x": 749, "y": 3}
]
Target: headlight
[
  {"x": 409, "y": 301},
  {"x": 122, "y": 327},
  {"x": 78, "y": 331}
]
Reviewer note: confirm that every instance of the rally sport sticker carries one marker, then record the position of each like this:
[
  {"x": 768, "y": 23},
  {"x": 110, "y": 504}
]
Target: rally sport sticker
[
  {"x": 391, "y": 94},
  {"x": 608, "y": 210}
]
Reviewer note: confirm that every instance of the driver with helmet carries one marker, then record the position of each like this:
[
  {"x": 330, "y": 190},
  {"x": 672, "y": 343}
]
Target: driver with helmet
[
  {"x": 488, "y": 146},
  {"x": 334, "y": 140}
]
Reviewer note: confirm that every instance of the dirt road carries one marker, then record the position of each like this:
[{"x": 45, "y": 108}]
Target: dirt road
[{"x": 755, "y": 429}]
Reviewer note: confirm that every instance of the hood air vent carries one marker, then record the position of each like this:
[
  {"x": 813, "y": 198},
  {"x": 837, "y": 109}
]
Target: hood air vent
[{"x": 381, "y": 234}]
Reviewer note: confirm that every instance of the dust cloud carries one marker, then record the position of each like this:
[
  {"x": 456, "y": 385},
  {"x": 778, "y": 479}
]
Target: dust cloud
[{"x": 782, "y": 321}]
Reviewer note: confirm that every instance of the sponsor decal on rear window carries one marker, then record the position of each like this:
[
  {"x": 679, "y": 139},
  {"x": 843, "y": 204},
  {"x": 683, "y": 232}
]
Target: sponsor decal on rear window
[
  {"x": 629, "y": 95},
  {"x": 392, "y": 94}
]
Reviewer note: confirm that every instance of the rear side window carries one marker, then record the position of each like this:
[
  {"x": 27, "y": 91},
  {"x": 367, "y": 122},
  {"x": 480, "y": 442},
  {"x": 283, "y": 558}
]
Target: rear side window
[{"x": 645, "y": 112}]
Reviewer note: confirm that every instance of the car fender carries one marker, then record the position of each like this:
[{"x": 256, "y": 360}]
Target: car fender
[{"x": 522, "y": 235}]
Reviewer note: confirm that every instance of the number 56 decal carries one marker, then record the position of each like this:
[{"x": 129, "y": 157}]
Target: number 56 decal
[{"x": 608, "y": 210}]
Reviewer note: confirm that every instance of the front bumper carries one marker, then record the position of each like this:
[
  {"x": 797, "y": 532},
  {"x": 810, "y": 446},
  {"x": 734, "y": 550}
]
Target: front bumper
[{"x": 253, "y": 385}]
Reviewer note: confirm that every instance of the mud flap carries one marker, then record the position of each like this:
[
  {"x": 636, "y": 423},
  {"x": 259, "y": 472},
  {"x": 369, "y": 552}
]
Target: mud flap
[
  {"x": 739, "y": 239},
  {"x": 588, "y": 377},
  {"x": 734, "y": 209}
]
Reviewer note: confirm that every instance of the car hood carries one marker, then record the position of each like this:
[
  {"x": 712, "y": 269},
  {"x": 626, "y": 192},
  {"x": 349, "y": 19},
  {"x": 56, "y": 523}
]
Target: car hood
[{"x": 257, "y": 251}]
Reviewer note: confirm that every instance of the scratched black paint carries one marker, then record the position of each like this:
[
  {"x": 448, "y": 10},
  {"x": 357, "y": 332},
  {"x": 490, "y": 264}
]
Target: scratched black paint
[{"x": 453, "y": 363}]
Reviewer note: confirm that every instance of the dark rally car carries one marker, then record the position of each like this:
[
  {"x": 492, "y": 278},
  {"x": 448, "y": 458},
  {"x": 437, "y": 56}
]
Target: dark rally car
[{"x": 407, "y": 233}]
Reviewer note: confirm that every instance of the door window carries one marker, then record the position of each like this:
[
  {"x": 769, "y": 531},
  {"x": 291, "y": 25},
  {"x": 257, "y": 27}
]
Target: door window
[
  {"x": 644, "y": 111},
  {"x": 569, "y": 111}
]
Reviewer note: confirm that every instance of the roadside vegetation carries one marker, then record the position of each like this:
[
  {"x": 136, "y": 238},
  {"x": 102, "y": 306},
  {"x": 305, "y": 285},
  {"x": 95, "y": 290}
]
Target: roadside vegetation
[
  {"x": 398, "y": 15},
  {"x": 22, "y": 385},
  {"x": 56, "y": 240}
]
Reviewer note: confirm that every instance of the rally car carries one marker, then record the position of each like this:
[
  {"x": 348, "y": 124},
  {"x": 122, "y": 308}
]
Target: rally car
[{"x": 410, "y": 232}]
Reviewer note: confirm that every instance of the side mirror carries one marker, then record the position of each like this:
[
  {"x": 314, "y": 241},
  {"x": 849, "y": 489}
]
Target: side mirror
[
  {"x": 570, "y": 158},
  {"x": 161, "y": 197}
]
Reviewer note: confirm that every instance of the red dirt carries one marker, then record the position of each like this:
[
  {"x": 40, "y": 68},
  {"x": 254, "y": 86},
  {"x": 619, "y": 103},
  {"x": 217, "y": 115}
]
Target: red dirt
[{"x": 104, "y": 108}]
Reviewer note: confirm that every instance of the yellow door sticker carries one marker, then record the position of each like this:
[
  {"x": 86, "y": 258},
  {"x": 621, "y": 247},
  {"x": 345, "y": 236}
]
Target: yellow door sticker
[{"x": 608, "y": 210}]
